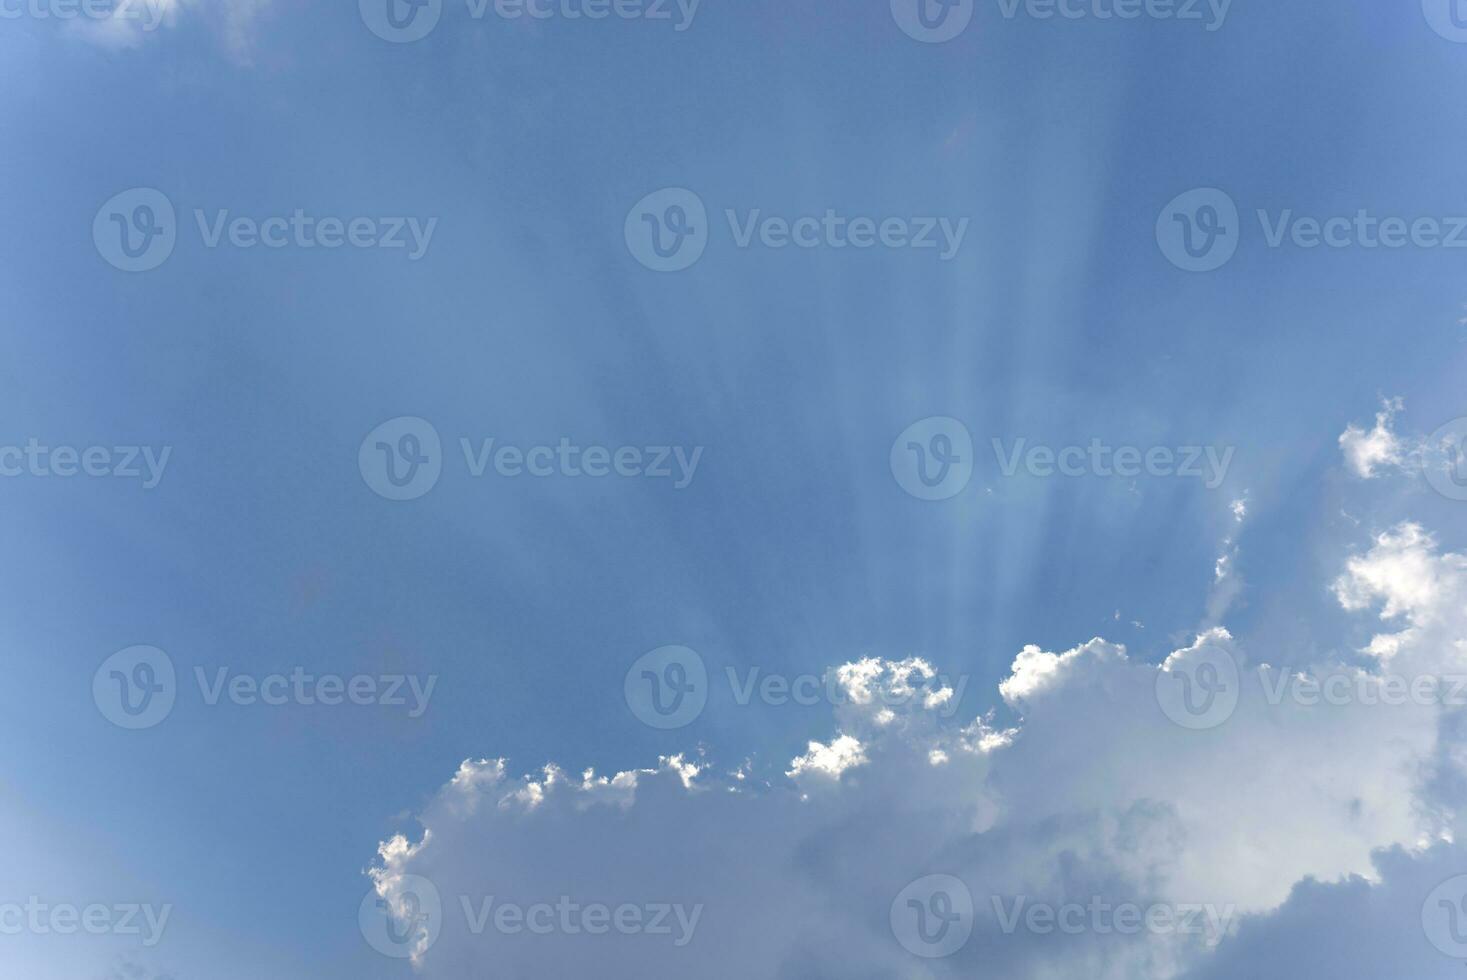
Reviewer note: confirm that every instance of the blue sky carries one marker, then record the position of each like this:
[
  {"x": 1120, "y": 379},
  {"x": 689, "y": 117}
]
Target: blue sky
[{"x": 527, "y": 319}]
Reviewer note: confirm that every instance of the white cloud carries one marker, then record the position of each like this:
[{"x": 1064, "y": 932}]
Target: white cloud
[
  {"x": 1367, "y": 451},
  {"x": 1094, "y": 795},
  {"x": 828, "y": 761},
  {"x": 1413, "y": 584},
  {"x": 1227, "y": 584}
]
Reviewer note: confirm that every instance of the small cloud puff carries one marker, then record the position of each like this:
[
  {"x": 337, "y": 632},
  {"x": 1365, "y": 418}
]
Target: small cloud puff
[{"x": 1367, "y": 451}]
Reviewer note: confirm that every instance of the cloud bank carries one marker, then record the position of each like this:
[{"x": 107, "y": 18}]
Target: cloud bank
[{"x": 1207, "y": 816}]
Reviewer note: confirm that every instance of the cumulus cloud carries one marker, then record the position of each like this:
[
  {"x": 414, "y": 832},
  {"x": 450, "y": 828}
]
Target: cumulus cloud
[
  {"x": 1094, "y": 796},
  {"x": 1365, "y": 452},
  {"x": 1440, "y": 457},
  {"x": 1304, "y": 804},
  {"x": 1414, "y": 586},
  {"x": 828, "y": 761}
]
